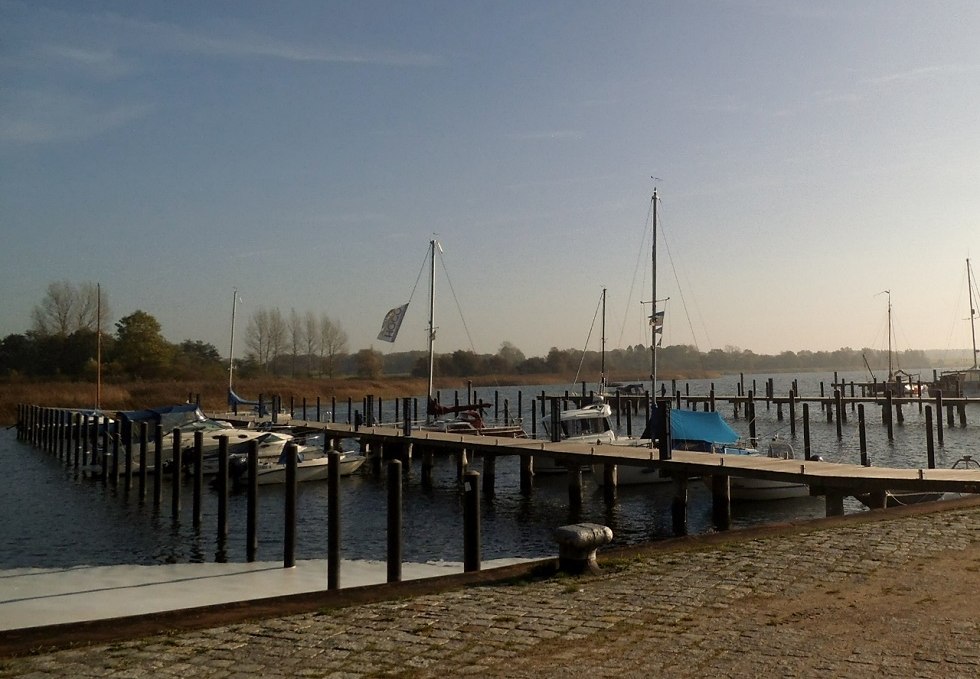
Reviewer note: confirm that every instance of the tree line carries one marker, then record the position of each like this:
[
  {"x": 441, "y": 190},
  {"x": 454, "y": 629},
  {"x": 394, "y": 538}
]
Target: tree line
[{"x": 64, "y": 342}]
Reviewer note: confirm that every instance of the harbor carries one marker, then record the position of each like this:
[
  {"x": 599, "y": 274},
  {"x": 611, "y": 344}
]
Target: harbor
[{"x": 636, "y": 514}]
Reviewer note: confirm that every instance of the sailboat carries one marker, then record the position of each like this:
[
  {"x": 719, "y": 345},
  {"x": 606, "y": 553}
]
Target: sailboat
[
  {"x": 964, "y": 383},
  {"x": 468, "y": 417},
  {"x": 899, "y": 382}
]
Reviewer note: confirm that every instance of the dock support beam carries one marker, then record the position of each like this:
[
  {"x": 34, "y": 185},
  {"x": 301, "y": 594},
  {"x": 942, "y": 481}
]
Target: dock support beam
[
  {"x": 527, "y": 473},
  {"x": 574, "y": 486},
  {"x": 678, "y": 506},
  {"x": 610, "y": 479},
  {"x": 721, "y": 501},
  {"x": 835, "y": 503}
]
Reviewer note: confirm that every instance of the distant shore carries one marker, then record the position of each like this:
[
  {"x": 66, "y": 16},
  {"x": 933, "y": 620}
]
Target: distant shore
[{"x": 213, "y": 395}]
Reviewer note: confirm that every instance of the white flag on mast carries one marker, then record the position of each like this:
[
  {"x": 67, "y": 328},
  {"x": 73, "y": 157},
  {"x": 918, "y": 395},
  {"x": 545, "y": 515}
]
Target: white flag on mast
[{"x": 392, "y": 323}]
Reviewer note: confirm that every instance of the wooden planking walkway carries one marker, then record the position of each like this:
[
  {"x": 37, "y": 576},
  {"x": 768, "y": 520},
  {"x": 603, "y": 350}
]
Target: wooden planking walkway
[{"x": 820, "y": 476}]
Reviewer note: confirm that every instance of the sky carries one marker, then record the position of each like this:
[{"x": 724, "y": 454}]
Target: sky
[{"x": 807, "y": 157}]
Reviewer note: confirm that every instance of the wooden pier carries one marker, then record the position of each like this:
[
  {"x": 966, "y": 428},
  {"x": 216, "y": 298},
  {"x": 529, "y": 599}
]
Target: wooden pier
[{"x": 834, "y": 481}]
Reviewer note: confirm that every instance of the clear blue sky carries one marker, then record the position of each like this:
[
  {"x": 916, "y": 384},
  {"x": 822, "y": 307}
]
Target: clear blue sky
[{"x": 809, "y": 156}]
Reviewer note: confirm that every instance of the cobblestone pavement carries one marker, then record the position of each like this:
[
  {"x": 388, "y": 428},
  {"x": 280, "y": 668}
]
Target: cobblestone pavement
[{"x": 787, "y": 604}]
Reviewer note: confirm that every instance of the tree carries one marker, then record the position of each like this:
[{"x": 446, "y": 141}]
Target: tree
[
  {"x": 510, "y": 356},
  {"x": 198, "y": 359},
  {"x": 311, "y": 333},
  {"x": 368, "y": 363},
  {"x": 333, "y": 342},
  {"x": 140, "y": 348},
  {"x": 66, "y": 309}
]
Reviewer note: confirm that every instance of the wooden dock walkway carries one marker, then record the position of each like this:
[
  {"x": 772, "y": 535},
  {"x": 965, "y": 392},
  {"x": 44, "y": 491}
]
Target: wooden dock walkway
[{"x": 833, "y": 480}]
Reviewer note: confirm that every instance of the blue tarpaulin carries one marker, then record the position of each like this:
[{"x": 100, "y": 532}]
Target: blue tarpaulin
[{"x": 694, "y": 430}]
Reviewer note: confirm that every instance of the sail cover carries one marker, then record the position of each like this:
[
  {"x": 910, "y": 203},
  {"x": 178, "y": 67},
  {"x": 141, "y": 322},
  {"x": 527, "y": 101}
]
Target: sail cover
[{"x": 694, "y": 426}]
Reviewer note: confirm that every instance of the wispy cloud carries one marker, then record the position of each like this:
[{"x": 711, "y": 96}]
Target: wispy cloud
[
  {"x": 546, "y": 135},
  {"x": 247, "y": 43},
  {"x": 31, "y": 117},
  {"x": 926, "y": 73}
]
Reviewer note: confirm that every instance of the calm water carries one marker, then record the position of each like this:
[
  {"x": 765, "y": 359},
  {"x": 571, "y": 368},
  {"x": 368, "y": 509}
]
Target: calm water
[{"x": 54, "y": 517}]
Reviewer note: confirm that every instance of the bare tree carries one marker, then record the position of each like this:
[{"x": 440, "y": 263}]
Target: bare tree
[
  {"x": 295, "y": 329},
  {"x": 311, "y": 332},
  {"x": 257, "y": 336},
  {"x": 333, "y": 341},
  {"x": 277, "y": 334},
  {"x": 67, "y": 308}
]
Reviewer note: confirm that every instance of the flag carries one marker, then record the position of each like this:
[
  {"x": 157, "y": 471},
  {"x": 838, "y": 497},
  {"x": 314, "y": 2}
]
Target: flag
[
  {"x": 657, "y": 321},
  {"x": 392, "y": 322}
]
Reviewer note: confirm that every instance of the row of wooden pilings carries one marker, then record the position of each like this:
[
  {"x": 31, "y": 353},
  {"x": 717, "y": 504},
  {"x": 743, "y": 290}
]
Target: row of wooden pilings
[{"x": 75, "y": 438}]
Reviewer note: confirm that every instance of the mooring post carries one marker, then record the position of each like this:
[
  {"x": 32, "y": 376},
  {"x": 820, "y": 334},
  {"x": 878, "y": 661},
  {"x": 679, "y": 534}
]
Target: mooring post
[
  {"x": 863, "y": 437},
  {"x": 394, "y": 521},
  {"x": 750, "y": 413},
  {"x": 949, "y": 415},
  {"x": 252, "y": 503},
  {"x": 721, "y": 501},
  {"x": 462, "y": 463},
  {"x": 888, "y": 417},
  {"x": 574, "y": 485},
  {"x": 939, "y": 417},
  {"x": 834, "y": 503},
  {"x": 664, "y": 434},
  {"x": 792, "y": 414},
  {"x": 527, "y": 474},
  {"x": 930, "y": 442},
  {"x": 77, "y": 442},
  {"x": 489, "y": 473},
  {"x": 678, "y": 505},
  {"x": 806, "y": 431},
  {"x": 157, "y": 465},
  {"x": 223, "y": 487},
  {"x": 114, "y": 460},
  {"x": 610, "y": 479},
  {"x": 839, "y": 409},
  {"x": 175, "y": 476},
  {"x": 143, "y": 462},
  {"x": 428, "y": 463},
  {"x": 333, "y": 520},
  {"x": 289, "y": 532},
  {"x": 471, "y": 522},
  {"x": 961, "y": 409},
  {"x": 199, "y": 478}
]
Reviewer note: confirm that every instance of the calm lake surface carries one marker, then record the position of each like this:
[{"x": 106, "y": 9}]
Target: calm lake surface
[{"x": 54, "y": 517}]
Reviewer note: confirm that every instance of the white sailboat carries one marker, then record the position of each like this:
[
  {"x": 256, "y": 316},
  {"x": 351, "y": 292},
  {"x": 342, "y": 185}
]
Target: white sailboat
[
  {"x": 966, "y": 382},
  {"x": 468, "y": 418}
]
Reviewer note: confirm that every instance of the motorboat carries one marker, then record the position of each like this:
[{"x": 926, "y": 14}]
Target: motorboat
[{"x": 308, "y": 468}]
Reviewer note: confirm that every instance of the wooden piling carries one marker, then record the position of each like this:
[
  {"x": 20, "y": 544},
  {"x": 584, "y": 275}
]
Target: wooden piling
[
  {"x": 289, "y": 511},
  {"x": 175, "y": 475},
  {"x": 678, "y": 505},
  {"x": 471, "y": 522},
  {"x": 394, "y": 521},
  {"x": 252, "y": 503},
  {"x": 333, "y": 520},
  {"x": 862, "y": 436},
  {"x": 721, "y": 501},
  {"x": 930, "y": 442}
]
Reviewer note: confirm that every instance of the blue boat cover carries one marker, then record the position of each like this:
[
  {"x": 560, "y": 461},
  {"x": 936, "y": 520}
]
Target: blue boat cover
[{"x": 694, "y": 430}]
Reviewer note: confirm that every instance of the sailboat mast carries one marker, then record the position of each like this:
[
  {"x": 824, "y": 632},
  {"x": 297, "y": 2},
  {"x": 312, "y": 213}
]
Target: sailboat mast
[
  {"x": 98, "y": 345},
  {"x": 432, "y": 308},
  {"x": 602, "y": 367},
  {"x": 890, "y": 373},
  {"x": 973, "y": 311},
  {"x": 653, "y": 302},
  {"x": 231, "y": 349}
]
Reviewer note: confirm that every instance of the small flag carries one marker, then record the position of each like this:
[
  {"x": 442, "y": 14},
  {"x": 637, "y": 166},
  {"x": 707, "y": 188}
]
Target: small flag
[
  {"x": 657, "y": 321},
  {"x": 392, "y": 323}
]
